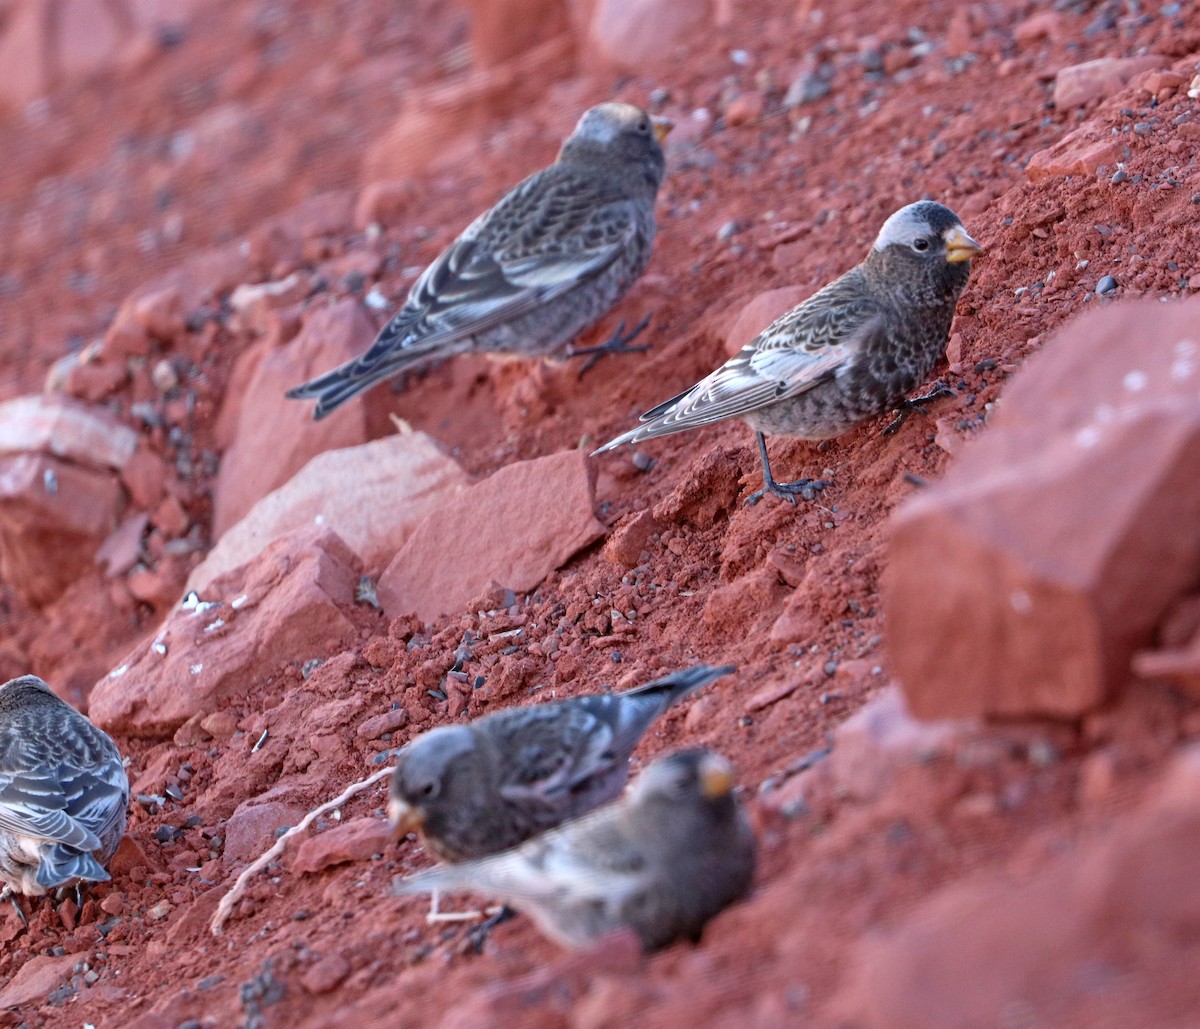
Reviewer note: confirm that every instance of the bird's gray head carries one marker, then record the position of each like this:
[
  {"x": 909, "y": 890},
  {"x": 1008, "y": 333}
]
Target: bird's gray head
[
  {"x": 623, "y": 139},
  {"x": 686, "y": 775},
  {"x": 25, "y": 682},
  {"x": 426, "y": 772},
  {"x": 924, "y": 251},
  {"x": 24, "y": 690}
]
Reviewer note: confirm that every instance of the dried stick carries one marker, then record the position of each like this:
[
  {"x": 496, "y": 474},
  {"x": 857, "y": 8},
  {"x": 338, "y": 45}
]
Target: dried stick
[{"x": 261, "y": 862}]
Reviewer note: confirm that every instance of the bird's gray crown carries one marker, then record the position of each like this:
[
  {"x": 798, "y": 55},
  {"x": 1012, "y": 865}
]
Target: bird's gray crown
[
  {"x": 605, "y": 122},
  {"x": 428, "y": 756},
  {"x": 923, "y": 218}
]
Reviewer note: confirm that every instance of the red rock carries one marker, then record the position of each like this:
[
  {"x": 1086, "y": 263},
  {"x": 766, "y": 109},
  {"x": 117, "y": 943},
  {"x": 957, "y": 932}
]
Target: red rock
[
  {"x": 26, "y": 53},
  {"x": 160, "y": 314},
  {"x": 276, "y": 437},
  {"x": 356, "y": 840},
  {"x": 1010, "y": 589},
  {"x": 437, "y": 121},
  {"x": 382, "y": 203},
  {"x": 501, "y": 528},
  {"x": 1180, "y": 666},
  {"x": 504, "y": 29},
  {"x": 93, "y": 380},
  {"x": 759, "y": 313},
  {"x": 159, "y": 587},
  {"x": 145, "y": 476},
  {"x": 170, "y": 517},
  {"x": 636, "y": 35},
  {"x": 252, "y": 828},
  {"x": 220, "y": 725},
  {"x": 740, "y": 605},
  {"x": 260, "y": 616},
  {"x": 326, "y": 975},
  {"x": 125, "y": 338},
  {"x": 89, "y": 37},
  {"x": 1056, "y": 944},
  {"x": 66, "y": 429},
  {"x": 373, "y": 496},
  {"x": 389, "y": 721},
  {"x": 37, "y": 977},
  {"x": 1082, "y": 152},
  {"x": 123, "y": 548},
  {"x": 53, "y": 518},
  {"x": 744, "y": 109},
  {"x": 878, "y": 740},
  {"x": 629, "y": 542},
  {"x": 1043, "y": 25},
  {"x": 253, "y": 304},
  {"x": 1098, "y": 79}
]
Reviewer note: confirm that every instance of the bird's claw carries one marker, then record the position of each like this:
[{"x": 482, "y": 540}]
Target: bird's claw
[
  {"x": 789, "y": 491},
  {"x": 617, "y": 343},
  {"x": 477, "y": 935},
  {"x": 907, "y": 407}
]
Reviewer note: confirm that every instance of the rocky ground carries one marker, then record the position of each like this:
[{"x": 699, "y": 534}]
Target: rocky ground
[{"x": 200, "y": 205}]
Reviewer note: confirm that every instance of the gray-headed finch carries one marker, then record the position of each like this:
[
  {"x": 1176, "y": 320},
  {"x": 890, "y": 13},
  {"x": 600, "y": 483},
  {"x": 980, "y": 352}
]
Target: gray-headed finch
[
  {"x": 548, "y": 261},
  {"x": 63, "y": 792},
  {"x": 851, "y": 351},
  {"x": 664, "y": 859},
  {"x": 487, "y": 785}
]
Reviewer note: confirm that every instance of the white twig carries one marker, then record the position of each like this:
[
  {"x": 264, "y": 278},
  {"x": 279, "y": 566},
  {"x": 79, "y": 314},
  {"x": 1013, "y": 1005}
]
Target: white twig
[{"x": 261, "y": 862}]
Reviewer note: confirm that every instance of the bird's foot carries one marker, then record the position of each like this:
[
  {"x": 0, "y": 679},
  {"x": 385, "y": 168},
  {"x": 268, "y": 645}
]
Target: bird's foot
[
  {"x": 477, "y": 935},
  {"x": 617, "y": 343},
  {"x": 789, "y": 491},
  {"x": 940, "y": 389}
]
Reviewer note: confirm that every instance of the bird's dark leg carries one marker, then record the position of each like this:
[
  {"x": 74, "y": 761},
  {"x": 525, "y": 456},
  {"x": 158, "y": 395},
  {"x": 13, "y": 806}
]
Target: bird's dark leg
[
  {"x": 12, "y": 899},
  {"x": 940, "y": 389},
  {"x": 478, "y": 934},
  {"x": 806, "y": 488},
  {"x": 617, "y": 343}
]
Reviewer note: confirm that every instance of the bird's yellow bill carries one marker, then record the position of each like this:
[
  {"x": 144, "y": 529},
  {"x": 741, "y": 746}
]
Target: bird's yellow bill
[
  {"x": 716, "y": 778},
  {"x": 405, "y": 819},
  {"x": 662, "y": 127},
  {"x": 960, "y": 246}
]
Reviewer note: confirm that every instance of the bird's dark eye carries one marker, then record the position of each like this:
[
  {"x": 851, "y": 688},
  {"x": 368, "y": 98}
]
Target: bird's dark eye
[
  {"x": 643, "y": 127},
  {"x": 428, "y": 790},
  {"x": 920, "y": 244}
]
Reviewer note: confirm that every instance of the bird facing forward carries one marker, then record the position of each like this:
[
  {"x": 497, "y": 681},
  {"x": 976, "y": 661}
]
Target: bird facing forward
[
  {"x": 549, "y": 260},
  {"x": 851, "y": 351},
  {"x": 63, "y": 792},
  {"x": 490, "y": 784},
  {"x": 663, "y": 860}
]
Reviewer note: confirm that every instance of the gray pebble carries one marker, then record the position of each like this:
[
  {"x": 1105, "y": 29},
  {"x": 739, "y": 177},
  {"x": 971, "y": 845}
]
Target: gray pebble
[
  {"x": 642, "y": 462},
  {"x": 1143, "y": 128},
  {"x": 1119, "y": 176},
  {"x": 1106, "y": 285}
]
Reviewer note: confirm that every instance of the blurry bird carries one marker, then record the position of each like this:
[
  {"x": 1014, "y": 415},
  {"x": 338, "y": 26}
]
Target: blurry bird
[
  {"x": 549, "y": 260},
  {"x": 63, "y": 792},
  {"x": 851, "y": 351},
  {"x": 663, "y": 860},
  {"x": 485, "y": 786}
]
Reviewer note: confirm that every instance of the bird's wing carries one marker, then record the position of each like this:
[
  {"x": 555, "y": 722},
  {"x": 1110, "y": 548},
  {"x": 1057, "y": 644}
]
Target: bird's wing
[
  {"x": 554, "y": 231},
  {"x": 559, "y": 748},
  {"x": 34, "y": 803},
  {"x": 64, "y": 793},
  {"x": 587, "y": 859},
  {"x": 807, "y": 346}
]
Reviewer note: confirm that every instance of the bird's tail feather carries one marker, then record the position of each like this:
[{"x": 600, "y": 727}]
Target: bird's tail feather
[
  {"x": 394, "y": 349},
  {"x": 654, "y": 424},
  {"x": 60, "y": 865},
  {"x": 679, "y": 684}
]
